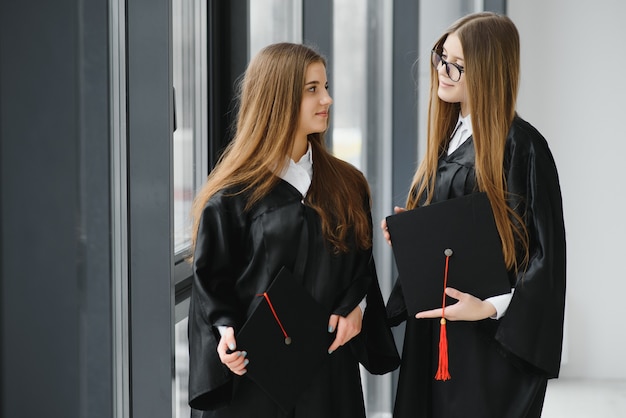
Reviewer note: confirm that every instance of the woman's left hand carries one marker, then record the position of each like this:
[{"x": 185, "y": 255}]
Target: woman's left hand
[
  {"x": 347, "y": 327},
  {"x": 468, "y": 308},
  {"x": 383, "y": 224}
]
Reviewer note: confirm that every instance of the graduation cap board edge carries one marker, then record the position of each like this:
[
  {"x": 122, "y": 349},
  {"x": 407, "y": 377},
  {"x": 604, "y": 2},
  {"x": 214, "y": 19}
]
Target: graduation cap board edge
[
  {"x": 287, "y": 339},
  {"x": 462, "y": 227}
]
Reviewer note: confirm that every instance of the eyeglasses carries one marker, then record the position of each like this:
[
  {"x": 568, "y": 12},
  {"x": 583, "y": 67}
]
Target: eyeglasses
[{"x": 453, "y": 70}]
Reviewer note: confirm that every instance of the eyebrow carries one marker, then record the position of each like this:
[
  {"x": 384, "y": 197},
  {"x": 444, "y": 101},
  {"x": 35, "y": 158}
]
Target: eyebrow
[
  {"x": 311, "y": 82},
  {"x": 443, "y": 50}
]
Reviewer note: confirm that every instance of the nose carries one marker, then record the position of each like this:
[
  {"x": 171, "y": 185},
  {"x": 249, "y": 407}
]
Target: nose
[
  {"x": 441, "y": 69},
  {"x": 326, "y": 99}
]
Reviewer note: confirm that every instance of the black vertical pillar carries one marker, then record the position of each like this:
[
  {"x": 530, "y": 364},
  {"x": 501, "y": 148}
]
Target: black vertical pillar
[
  {"x": 317, "y": 26},
  {"x": 150, "y": 207},
  {"x": 404, "y": 126},
  {"x": 498, "y": 6},
  {"x": 228, "y": 46},
  {"x": 317, "y": 31}
]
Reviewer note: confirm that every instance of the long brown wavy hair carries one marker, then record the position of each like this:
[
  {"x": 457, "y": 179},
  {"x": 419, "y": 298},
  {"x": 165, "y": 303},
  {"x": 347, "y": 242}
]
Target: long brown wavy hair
[
  {"x": 270, "y": 94},
  {"x": 491, "y": 50}
]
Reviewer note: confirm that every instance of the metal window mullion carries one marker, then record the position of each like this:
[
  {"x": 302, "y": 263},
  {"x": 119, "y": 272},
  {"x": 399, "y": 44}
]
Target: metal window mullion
[{"x": 119, "y": 210}]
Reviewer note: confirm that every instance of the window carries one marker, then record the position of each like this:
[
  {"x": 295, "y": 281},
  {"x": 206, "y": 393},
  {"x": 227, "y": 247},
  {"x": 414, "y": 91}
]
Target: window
[
  {"x": 190, "y": 137},
  {"x": 361, "y": 87},
  {"x": 274, "y": 21},
  {"x": 189, "y": 33},
  {"x": 181, "y": 381},
  {"x": 348, "y": 86}
]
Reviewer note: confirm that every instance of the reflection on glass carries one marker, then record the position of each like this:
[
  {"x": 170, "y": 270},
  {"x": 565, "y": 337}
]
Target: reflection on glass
[
  {"x": 189, "y": 76},
  {"x": 274, "y": 21},
  {"x": 181, "y": 380},
  {"x": 348, "y": 85}
]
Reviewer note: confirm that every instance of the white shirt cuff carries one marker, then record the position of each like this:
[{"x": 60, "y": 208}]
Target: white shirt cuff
[
  {"x": 222, "y": 329},
  {"x": 363, "y": 305},
  {"x": 501, "y": 303}
]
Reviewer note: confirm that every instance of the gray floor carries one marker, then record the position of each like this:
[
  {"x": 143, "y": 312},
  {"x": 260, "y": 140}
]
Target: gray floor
[{"x": 573, "y": 398}]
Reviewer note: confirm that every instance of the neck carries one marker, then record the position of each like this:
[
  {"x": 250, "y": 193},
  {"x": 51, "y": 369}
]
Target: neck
[
  {"x": 464, "y": 109},
  {"x": 300, "y": 145}
]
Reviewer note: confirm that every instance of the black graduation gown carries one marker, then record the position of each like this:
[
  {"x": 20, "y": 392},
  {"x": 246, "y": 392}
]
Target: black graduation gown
[
  {"x": 238, "y": 253},
  {"x": 499, "y": 368}
]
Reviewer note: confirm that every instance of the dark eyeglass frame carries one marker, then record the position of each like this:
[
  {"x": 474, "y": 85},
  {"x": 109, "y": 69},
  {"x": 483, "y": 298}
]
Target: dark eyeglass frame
[{"x": 436, "y": 59}]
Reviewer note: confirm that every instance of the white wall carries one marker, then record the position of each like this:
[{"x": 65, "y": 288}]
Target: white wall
[{"x": 573, "y": 89}]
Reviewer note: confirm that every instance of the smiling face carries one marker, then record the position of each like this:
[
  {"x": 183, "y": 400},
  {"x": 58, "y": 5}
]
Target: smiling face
[
  {"x": 451, "y": 91},
  {"x": 315, "y": 102}
]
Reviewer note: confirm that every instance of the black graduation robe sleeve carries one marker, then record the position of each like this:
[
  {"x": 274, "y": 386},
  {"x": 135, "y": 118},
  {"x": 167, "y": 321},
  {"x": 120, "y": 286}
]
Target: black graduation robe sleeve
[
  {"x": 396, "y": 307},
  {"x": 375, "y": 346},
  {"x": 209, "y": 380},
  {"x": 362, "y": 277},
  {"x": 532, "y": 328}
]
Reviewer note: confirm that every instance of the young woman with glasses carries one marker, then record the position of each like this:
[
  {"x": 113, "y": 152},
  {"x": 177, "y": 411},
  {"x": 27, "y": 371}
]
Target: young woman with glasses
[{"x": 502, "y": 350}]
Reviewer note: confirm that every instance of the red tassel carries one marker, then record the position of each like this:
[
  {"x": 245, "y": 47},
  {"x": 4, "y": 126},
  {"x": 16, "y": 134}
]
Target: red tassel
[{"x": 442, "y": 371}]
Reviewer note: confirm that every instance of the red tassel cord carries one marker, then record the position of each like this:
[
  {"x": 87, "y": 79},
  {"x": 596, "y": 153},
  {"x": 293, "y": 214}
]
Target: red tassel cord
[
  {"x": 442, "y": 371},
  {"x": 280, "y": 324}
]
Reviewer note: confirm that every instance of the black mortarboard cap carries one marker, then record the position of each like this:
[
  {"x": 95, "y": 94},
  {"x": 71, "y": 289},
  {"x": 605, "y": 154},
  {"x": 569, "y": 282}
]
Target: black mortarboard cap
[
  {"x": 286, "y": 338},
  {"x": 420, "y": 238}
]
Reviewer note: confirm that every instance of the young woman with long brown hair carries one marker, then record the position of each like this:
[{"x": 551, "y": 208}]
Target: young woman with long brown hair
[
  {"x": 504, "y": 349},
  {"x": 274, "y": 179}
]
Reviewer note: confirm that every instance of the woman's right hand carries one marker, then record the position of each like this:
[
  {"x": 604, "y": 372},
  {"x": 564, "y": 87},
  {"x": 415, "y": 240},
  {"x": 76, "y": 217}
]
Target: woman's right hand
[
  {"x": 236, "y": 361},
  {"x": 383, "y": 224}
]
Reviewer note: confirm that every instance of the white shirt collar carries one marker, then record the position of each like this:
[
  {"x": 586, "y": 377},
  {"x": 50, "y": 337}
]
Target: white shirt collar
[
  {"x": 299, "y": 174},
  {"x": 461, "y": 133}
]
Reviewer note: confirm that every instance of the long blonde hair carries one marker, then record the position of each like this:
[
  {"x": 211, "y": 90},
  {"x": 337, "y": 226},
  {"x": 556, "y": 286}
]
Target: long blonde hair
[
  {"x": 491, "y": 52},
  {"x": 269, "y": 98}
]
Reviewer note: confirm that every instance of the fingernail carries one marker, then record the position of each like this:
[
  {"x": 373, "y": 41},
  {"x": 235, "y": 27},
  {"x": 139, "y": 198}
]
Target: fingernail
[
  {"x": 245, "y": 363},
  {"x": 231, "y": 346},
  {"x": 244, "y": 353},
  {"x": 330, "y": 351},
  {"x": 330, "y": 328}
]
